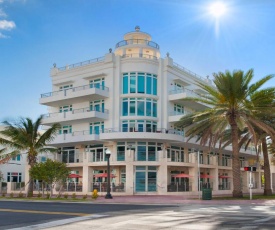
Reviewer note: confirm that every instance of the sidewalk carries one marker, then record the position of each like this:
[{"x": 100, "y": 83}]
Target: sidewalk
[{"x": 176, "y": 200}]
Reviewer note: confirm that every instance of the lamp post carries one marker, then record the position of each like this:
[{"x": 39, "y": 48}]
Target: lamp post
[{"x": 108, "y": 195}]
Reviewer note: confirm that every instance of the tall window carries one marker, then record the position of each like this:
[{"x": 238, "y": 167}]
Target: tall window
[
  {"x": 97, "y": 83},
  {"x": 96, "y": 127},
  {"x": 65, "y": 129},
  {"x": 139, "y": 107},
  {"x": 139, "y": 126},
  {"x": 178, "y": 109},
  {"x": 65, "y": 108},
  {"x": 63, "y": 87},
  {"x": 137, "y": 82},
  {"x": 97, "y": 106}
]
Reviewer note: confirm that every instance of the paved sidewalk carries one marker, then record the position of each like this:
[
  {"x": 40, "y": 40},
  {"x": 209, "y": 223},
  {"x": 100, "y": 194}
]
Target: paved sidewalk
[{"x": 176, "y": 200}]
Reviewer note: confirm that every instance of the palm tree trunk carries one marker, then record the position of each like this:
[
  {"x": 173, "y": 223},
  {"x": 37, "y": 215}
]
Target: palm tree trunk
[
  {"x": 237, "y": 188},
  {"x": 267, "y": 176},
  {"x": 32, "y": 161}
]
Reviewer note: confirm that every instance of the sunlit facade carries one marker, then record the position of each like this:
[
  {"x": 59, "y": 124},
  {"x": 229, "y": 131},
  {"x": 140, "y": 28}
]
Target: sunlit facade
[{"x": 128, "y": 101}]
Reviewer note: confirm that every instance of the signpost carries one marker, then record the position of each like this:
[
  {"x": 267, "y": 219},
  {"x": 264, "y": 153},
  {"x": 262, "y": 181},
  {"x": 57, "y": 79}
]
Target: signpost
[{"x": 250, "y": 169}]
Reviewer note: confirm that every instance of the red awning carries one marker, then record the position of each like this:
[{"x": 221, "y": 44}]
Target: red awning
[
  {"x": 182, "y": 175},
  {"x": 205, "y": 176},
  {"x": 74, "y": 176},
  {"x": 101, "y": 175}
]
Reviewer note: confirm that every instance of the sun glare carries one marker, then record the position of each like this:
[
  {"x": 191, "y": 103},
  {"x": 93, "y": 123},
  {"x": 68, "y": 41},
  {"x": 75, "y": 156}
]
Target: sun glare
[{"x": 217, "y": 9}]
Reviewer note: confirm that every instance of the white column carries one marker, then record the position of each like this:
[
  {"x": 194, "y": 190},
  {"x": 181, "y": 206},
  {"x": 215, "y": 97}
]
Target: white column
[{"x": 87, "y": 179}]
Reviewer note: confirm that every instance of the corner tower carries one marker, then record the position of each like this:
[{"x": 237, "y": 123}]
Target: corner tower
[{"x": 137, "y": 44}]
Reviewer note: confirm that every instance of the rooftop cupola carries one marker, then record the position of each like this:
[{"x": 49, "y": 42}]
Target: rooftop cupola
[{"x": 137, "y": 44}]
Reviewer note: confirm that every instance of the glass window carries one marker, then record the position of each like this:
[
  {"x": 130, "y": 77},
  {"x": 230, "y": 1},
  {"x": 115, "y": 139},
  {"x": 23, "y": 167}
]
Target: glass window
[
  {"x": 141, "y": 83},
  {"x": 149, "y": 85},
  {"x": 132, "y": 108},
  {"x": 65, "y": 129},
  {"x": 125, "y": 84},
  {"x": 125, "y": 108},
  {"x": 154, "y": 86},
  {"x": 140, "y": 108},
  {"x": 132, "y": 84},
  {"x": 120, "y": 153},
  {"x": 154, "y": 109}
]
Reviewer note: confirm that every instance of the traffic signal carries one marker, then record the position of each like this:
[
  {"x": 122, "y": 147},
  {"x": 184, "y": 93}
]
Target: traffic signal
[{"x": 250, "y": 169}]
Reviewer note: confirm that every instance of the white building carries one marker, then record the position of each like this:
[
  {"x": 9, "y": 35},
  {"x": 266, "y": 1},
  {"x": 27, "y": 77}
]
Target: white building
[{"x": 128, "y": 101}]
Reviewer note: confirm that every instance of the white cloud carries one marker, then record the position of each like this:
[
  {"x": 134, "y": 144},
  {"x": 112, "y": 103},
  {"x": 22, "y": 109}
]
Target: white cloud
[{"x": 7, "y": 25}]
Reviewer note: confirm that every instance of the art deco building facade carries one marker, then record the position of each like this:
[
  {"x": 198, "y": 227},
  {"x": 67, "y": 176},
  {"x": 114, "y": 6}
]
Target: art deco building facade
[{"x": 128, "y": 101}]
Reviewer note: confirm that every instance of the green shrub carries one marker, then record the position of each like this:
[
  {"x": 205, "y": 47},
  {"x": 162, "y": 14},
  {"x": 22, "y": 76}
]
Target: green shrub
[
  {"x": 20, "y": 195},
  {"x": 48, "y": 195},
  {"x": 84, "y": 197},
  {"x": 4, "y": 194},
  {"x": 65, "y": 196},
  {"x": 11, "y": 195},
  {"x": 74, "y": 196},
  {"x": 39, "y": 195},
  {"x": 58, "y": 196}
]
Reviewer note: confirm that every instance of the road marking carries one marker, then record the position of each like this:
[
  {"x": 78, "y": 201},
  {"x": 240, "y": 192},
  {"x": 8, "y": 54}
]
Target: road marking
[
  {"x": 59, "y": 222},
  {"x": 44, "y": 212}
]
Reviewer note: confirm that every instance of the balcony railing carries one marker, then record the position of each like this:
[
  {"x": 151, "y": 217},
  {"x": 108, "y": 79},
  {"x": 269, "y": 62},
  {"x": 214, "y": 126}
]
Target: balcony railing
[
  {"x": 190, "y": 93},
  {"x": 137, "y": 41},
  {"x": 74, "y": 89},
  {"x": 176, "y": 113},
  {"x": 189, "y": 71},
  {"x": 147, "y": 130},
  {"x": 79, "y": 64},
  {"x": 76, "y": 111},
  {"x": 138, "y": 55}
]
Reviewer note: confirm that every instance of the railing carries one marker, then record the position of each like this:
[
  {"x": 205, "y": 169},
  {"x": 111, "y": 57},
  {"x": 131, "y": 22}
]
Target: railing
[
  {"x": 175, "y": 113},
  {"x": 79, "y": 64},
  {"x": 179, "y": 187},
  {"x": 97, "y": 157},
  {"x": 137, "y": 41},
  {"x": 189, "y": 91},
  {"x": 76, "y": 111},
  {"x": 40, "y": 187},
  {"x": 3, "y": 187},
  {"x": 189, "y": 71},
  {"x": 75, "y": 89},
  {"x": 102, "y": 187},
  {"x": 70, "y": 158},
  {"x": 206, "y": 185},
  {"x": 224, "y": 186},
  {"x": 70, "y": 187},
  {"x": 147, "y": 130},
  {"x": 17, "y": 186},
  {"x": 139, "y": 55}
]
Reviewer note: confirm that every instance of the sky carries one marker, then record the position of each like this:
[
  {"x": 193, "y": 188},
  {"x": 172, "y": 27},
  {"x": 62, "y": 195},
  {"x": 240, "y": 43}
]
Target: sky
[{"x": 34, "y": 34}]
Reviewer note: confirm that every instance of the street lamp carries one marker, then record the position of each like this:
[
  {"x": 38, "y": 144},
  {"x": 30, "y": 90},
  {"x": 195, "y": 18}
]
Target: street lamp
[{"x": 108, "y": 154}]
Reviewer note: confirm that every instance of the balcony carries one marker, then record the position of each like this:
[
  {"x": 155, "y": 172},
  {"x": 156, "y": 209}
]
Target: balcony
[
  {"x": 84, "y": 114},
  {"x": 139, "y": 55},
  {"x": 137, "y": 42},
  {"x": 177, "y": 96},
  {"x": 175, "y": 116},
  {"x": 77, "y": 137},
  {"x": 74, "y": 95},
  {"x": 80, "y": 64},
  {"x": 142, "y": 134}
]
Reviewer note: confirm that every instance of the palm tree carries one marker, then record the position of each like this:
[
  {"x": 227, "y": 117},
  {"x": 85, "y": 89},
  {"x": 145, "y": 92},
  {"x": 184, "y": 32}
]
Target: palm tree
[
  {"x": 235, "y": 104},
  {"x": 24, "y": 135}
]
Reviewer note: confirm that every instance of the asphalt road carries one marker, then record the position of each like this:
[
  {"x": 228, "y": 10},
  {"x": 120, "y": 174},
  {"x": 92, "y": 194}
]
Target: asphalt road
[
  {"x": 70, "y": 216},
  {"x": 19, "y": 214}
]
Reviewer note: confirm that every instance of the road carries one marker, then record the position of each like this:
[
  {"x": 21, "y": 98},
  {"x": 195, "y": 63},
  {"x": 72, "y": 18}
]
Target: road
[
  {"x": 70, "y": 216},
  {"x": 19, "y": 214}
]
